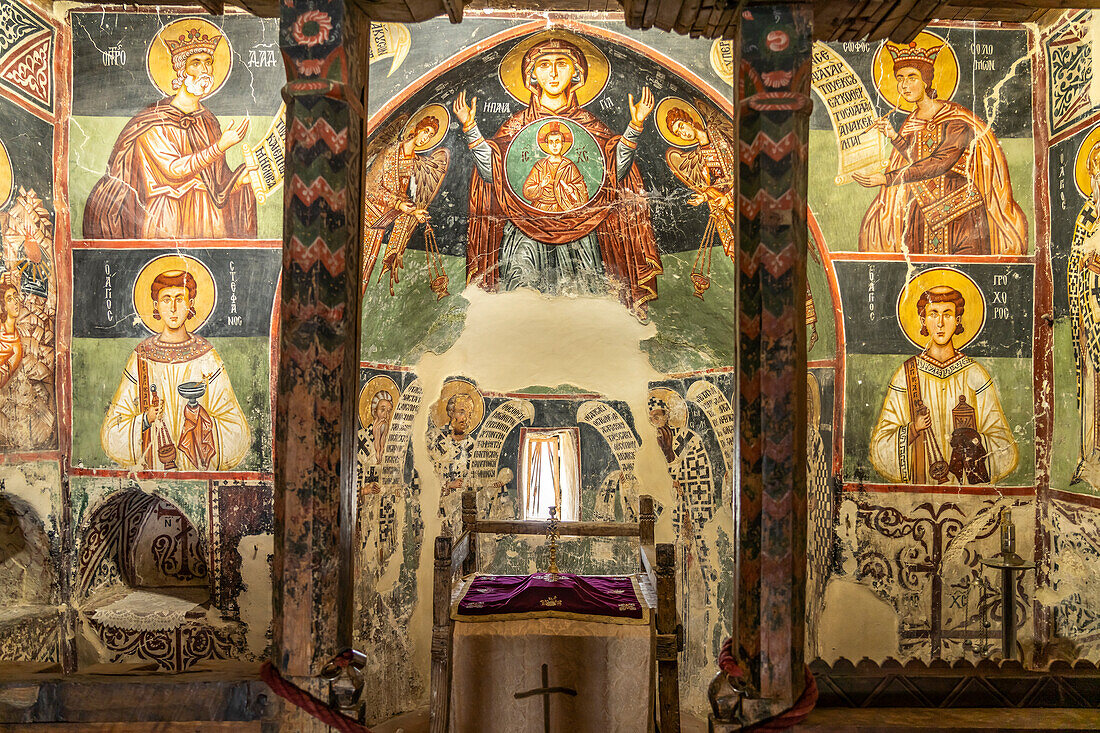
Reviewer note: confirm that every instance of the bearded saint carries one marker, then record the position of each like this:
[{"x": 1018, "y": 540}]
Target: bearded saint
[
  {"x": 167, "y": 177},
  {"x": 1083, "y": 289},
  {"x": 607, "y": 242},
  {"x": 946, "y": 189}
]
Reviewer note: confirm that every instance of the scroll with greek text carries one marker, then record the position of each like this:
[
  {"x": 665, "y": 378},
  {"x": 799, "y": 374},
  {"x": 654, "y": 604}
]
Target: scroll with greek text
[
  {"x": 268, "y": 158},
  {"x": 614, "y": 430},
  {"x": 389, "y": 41},
  {"x": 397, "y": 442},
  {"x": 490, "y": 439},
  {"x": 851, "y": 112},
  {"x": 719, "y": 413}
]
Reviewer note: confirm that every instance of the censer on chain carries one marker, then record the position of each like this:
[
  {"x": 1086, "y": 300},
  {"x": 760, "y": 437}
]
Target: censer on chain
[
  {"x": 437, "y": 276},
  {"x": 700, "y": 269},
  {"x": 938, "y": 469}
]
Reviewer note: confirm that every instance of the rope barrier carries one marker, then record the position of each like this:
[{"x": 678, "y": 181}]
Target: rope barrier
[
  {"x": 291, "y": 692},
  {"x": 788, "y": 718}
]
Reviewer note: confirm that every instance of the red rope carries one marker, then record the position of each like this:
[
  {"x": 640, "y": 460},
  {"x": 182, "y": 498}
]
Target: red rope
[
  {"x": 289, "y": 691},
  {"x": 788, "y": 718}
]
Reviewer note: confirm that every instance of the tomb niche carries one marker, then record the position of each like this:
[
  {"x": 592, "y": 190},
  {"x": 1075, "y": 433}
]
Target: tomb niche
[
  {"x": 144, "y": 589},
  {"x": 30, "y": 619}
]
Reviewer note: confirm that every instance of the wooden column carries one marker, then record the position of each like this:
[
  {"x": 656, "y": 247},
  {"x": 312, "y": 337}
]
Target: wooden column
[
  {"x": 775, "y": 46},
  {"x": 324, "y": 45}
]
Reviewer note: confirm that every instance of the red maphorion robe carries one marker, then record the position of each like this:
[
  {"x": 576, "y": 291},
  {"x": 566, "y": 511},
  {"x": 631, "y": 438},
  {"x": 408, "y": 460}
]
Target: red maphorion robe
[
  {"x": 117, "y": 204},
  {"x": 619, "y": 214}
]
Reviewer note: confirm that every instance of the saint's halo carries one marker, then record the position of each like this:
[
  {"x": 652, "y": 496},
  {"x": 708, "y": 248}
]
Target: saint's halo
[
  {"x": 661, "y": 114},
  {"x": 451, "y": 388},
  {"x": 1080, "y": 165},
  {"x": 973, "y": 317},
  {"x": 945, "y": 70},
  {"x": 380, "y": 383},
  {"x": 159, "y": 59},
  {"x": 7, "y": 176},
  {"x": 205, "y": 297},
  {"x": 437, "y": 111},
  {"x": 511, "y": 67},
  {"x": 675, "y": 406}
]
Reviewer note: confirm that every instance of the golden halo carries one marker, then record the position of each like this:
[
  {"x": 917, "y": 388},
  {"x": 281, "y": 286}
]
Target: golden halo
[
  {"x": 563, "y": 130},
  {"x": 380, "y": 383},
  {"x": 813, "y": 401},
  {"x": 661, "y": 113},
  {"x": 1080, "y": 165},
  {"x": 722, "y": 60},
  {"x": 451, "y": 388},
  {"x": 945, "y": 70},
  {"x": 599, "y": 70},
  {"x": 435, "y": 111},
  {"x": 677, "y": 407},
  {"x": 205, "y": 297},
  {"x": 7, "y": 176},
  {"x": 973, "y": 315},
  {"x": 159, "y": 61}
]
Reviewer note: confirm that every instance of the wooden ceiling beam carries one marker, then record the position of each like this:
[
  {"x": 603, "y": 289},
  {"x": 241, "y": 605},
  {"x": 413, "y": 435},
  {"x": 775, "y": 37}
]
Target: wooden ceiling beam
[{"x": 850, "y": 25}]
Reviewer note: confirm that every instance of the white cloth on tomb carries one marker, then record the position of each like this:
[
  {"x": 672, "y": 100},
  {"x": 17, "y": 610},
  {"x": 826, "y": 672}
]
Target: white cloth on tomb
[{"x": 146, "y": 610}]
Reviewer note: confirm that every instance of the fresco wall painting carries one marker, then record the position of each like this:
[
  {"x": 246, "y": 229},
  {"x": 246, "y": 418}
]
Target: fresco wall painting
[
  {"x": 35, "y": 623},
  {"x": 140, "y": 263},
  {"x": 176, "y": 240},
  {"x": 962, "y": 376},
  {"x": 539, "y": 187},
  {"x": 515, "y": 171}
]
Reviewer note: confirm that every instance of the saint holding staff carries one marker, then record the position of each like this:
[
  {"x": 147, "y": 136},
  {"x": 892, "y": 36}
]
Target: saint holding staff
[
  {"x": 174, "y": 408},
  {"x": 941, "y": 420}
]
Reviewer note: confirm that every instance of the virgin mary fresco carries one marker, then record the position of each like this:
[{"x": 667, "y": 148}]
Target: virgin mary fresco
[{"x": 606, "y": 243}]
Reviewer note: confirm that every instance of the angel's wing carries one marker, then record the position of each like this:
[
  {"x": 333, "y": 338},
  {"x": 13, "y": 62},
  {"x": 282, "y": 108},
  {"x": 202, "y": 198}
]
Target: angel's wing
[
  {"x": 716, "y": 120},
  {"x": 689, "y": 167},
  {"x": 429, "y": 172},
  {"x": 375, "y": 155},
  {"x": 382, "y": 140}
]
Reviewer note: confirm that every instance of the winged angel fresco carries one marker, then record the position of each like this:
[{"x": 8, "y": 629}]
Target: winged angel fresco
[
  {"x": 402, "y": 180},
  {"x": 704, "y": 159}
]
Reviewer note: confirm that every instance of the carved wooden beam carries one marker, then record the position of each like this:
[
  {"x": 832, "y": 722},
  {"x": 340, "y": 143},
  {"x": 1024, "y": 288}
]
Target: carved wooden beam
[
  {"x": 324, "y": 45},
  {"x": 773, "y": 125}
]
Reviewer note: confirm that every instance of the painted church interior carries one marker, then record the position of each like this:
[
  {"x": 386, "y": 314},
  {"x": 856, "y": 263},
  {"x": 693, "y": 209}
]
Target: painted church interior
[{"x": 652, "y": 367}]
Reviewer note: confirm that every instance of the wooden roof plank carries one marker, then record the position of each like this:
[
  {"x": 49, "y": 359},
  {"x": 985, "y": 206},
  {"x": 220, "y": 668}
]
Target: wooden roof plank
[
  {"x": 913, "y": 22},
  {"x": 888, "y": 9},
  {"x": 686, "y": 18}
]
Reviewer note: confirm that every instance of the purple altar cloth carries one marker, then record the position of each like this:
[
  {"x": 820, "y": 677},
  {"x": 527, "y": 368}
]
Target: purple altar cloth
[{"x": 613, "y": 598}]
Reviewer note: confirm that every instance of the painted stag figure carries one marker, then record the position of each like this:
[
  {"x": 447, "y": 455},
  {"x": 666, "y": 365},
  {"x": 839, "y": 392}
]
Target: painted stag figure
[
  {"x": 167, "y": 176},
  {"x": 608, "y": 242},
  {"x": 942, "y": 420},
  {"x": 1083, "y": 281},
  {"x": 946, "y": 189},
  {"x": 175, "y": 408}
]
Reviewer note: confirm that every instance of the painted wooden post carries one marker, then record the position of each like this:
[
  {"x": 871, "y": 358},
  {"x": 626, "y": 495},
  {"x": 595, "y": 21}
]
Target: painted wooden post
[
  {"x": 469, "y": 521},
  {"x": 324, "y": 46},
  {"x": 775, "y": 46}
]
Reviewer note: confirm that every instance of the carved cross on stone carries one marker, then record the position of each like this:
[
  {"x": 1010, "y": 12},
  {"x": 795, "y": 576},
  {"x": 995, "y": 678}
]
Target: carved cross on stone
[{"x": 546, "y": 691}]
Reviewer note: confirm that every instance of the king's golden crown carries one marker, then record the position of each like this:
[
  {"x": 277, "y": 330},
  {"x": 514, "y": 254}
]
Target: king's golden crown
[
  {"x": 912, "y": 54},
  {"x": 192, "y": 41}
]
